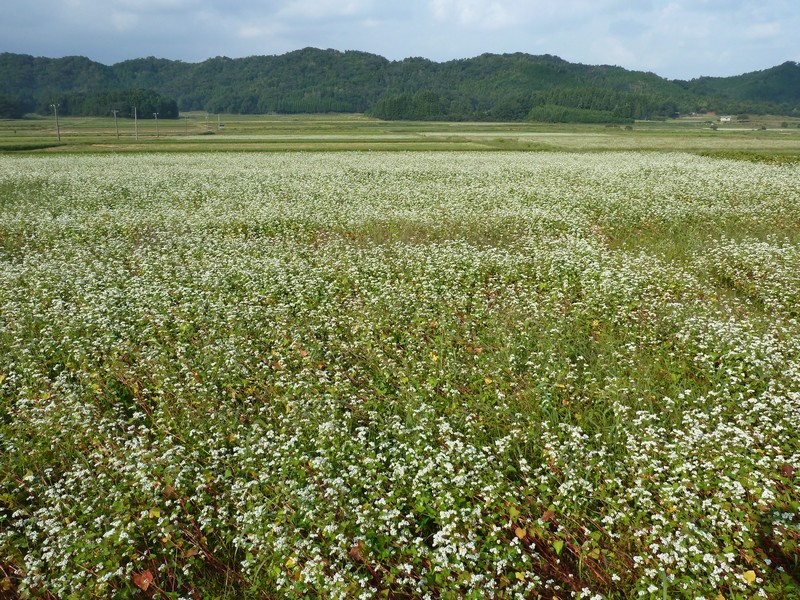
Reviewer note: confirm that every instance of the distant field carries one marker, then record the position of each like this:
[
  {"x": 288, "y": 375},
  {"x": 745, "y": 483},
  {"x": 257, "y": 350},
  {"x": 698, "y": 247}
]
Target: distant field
[
  {"x": 193, "y": 132},
  {"x": 362, "y": 374}
]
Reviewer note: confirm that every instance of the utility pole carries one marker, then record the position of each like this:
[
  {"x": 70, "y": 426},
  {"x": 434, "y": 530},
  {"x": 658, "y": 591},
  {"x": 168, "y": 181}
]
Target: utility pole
[
  {"x": 136, "y": 123},
  {"x": 156, "y": 117},
  {"x": 58, "y": 127},
  {"x": 116, "y": 127}
]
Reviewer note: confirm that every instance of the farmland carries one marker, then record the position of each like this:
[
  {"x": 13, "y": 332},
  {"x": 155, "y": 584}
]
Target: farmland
[
  {"x": 201, "y": 132},
  {"x": 371, "y": 373}
]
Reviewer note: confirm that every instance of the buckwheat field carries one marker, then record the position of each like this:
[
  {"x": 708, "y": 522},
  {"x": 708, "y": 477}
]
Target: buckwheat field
[{"x": 399, "y": 375}]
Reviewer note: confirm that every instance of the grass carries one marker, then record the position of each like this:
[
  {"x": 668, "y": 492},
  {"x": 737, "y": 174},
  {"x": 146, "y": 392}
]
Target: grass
[
  {"x": 474, "y": 373},
  {"x": 194, "y": 132}
]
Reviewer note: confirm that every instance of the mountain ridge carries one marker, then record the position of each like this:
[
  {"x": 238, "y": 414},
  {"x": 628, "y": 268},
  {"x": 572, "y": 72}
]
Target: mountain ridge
[{"x": 488, "y": 86}]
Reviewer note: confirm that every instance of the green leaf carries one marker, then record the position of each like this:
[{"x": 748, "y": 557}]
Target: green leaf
[{"x": 558, "y": 545}]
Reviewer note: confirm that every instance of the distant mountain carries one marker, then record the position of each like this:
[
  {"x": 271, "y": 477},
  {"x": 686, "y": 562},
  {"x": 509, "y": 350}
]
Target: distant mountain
[{"x": 487, "y": 87}]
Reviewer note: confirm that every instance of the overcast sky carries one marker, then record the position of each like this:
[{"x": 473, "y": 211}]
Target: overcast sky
[{"x": 678, "y": 39}]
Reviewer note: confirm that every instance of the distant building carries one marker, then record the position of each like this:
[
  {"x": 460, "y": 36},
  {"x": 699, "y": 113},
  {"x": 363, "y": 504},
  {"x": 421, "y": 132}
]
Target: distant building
[{"x": 725, "y": 119}]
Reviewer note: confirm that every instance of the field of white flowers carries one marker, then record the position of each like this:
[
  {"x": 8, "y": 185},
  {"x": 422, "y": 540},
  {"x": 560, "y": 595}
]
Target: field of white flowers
[{"x": 399, "y": 375}]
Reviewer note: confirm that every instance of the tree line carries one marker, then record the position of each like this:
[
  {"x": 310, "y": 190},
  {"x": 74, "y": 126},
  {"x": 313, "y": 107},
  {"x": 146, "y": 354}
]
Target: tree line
[
  {"x": 144, "y": 103},
  {"x": 498, "y": 87},
  {"x": 560, "y": 105}
]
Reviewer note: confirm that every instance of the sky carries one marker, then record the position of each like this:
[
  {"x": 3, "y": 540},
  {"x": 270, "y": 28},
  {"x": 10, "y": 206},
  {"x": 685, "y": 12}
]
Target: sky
[{"x": 677, "y": 39}]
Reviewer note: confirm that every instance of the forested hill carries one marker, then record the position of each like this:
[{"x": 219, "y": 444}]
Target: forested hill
[{"x": 490, "y": 86}]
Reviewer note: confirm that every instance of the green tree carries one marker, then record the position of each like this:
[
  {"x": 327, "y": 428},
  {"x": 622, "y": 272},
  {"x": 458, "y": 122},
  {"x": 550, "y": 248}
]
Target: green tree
[{"x": 11, "y": 108}]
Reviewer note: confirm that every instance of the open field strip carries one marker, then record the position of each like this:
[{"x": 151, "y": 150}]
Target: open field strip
[
  {"x": 270, "y": 133},
  {"x": 399, "y": 375}
]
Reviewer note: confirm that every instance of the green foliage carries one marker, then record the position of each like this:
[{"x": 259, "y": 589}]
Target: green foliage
[
  {"x": 775, "y": 90},
  {"x": 10, "y": 107},
  {"x": 488, "y": 87},
  {"x": 622, "y": 106},
  {"x": 23, "y": 75},
  {"x": 98, "y": 104},
  {"x": 422, "y": 106},
  {"x": 551, "y": 113}
]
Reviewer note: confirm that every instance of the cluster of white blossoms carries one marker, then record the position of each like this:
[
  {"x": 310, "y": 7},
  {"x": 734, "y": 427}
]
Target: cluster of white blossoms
[{"x": 425, "y": 375}]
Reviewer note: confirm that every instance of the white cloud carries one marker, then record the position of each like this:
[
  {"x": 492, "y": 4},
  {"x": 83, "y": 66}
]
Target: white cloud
[
  {"x": 323, "y": 9},
  {"x": 124, "y": 21},
  {"x": 259, "y": 31},
  {"x": 155, "y": 5},
  {"x": 132, "y": 6},
  {"x": 614, "y": 51},
  {"x": 472, "y": 13},
  {"x": 763, "y": 31}
]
